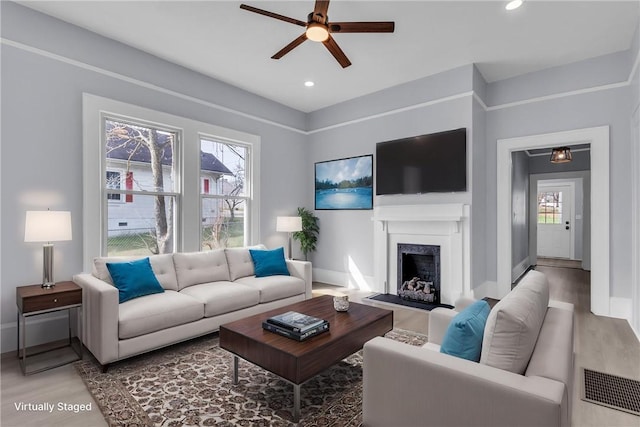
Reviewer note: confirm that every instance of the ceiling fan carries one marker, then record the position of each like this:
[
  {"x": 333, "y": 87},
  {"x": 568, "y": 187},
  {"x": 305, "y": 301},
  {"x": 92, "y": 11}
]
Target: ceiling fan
[{"x": 319, "y": 29}]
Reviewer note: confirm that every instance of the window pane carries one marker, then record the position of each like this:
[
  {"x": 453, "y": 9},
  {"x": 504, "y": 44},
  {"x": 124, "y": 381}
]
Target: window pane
[
  {"x": 113, "y": 182},
  {"x": 550, "y": 208},
  {"x": 145, "y": 155},
  {"x": 222, "y": 223},
  {"x": 143, "y": 226},
  {"x": 224, "y": 165}
]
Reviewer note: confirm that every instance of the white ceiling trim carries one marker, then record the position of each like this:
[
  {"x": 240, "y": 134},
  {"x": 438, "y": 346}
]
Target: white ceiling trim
[
  {"x": 200, "y": 101},
  {"x": 142, "y": 83},
  {"x": 394, "y": 111}
]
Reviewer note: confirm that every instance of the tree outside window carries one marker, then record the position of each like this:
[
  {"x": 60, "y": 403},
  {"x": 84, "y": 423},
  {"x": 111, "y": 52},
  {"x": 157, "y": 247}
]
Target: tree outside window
[
  {"x": 550, "y": 207},
  {"x": 144, "y": 224},
  {"x": 225, "y": 205}
]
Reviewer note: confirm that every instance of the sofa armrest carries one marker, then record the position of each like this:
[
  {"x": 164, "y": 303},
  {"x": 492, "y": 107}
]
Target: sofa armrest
[
  {"x": 301, "y": 270},
  {"x": 99, "y": 317},
  {"x": 439, "y": 319},
  {"x": 404, "y": 385}
]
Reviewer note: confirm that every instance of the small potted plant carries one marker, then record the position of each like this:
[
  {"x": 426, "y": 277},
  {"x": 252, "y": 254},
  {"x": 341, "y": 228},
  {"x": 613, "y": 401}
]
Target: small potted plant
[{"x": 308, "y": 237}]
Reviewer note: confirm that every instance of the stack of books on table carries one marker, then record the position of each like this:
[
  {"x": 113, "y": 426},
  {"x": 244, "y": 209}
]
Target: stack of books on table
[{"x": 296, "y": 325}]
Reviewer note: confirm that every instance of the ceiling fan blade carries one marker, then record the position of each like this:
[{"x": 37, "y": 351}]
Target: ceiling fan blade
[
  {"x": 337, "y": 53},
  {"x": 320, "y": 11},
  {"x": 273, "y": 15},
  {"x": 362, "y": 27},
  {"x": 288, "y": 48}
]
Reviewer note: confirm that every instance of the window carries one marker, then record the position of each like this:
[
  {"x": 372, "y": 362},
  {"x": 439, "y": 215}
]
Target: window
[
  {"x": 550, "y": 208},
  {"x": 113, "y": 183},
  {"x": 144, "y": 224},
  {"x": 143, "y": 188},
  {"x": 224, "y": 202}
]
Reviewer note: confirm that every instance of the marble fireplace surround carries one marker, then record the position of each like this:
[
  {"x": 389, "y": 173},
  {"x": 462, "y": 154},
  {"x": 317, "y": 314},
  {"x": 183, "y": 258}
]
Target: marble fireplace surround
[{"x": 444, "y": 225}]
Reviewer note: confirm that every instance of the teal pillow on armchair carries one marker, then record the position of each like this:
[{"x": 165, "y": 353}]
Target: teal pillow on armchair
[
  {"x": 269, "y": 263},
  {"x": 465, "y": 332}
]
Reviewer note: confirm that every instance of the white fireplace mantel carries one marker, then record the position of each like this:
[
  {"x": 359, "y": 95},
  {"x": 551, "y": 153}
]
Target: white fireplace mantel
[
  {"x": 440, "y": 212},
  {"x": 445, "y": 225}
]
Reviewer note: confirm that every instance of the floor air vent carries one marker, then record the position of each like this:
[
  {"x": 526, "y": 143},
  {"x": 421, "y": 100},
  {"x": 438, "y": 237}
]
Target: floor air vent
[{"x": 611, "y": 391}]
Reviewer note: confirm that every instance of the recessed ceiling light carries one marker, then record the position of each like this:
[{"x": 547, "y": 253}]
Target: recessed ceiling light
[
  {"x": 513, "y": 4},
  {"x": 309, "y": 83}
]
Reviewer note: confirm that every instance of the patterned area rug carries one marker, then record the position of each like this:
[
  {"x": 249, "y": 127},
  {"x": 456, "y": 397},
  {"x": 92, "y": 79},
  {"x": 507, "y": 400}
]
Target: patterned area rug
[{"x": 190, "y": 384}]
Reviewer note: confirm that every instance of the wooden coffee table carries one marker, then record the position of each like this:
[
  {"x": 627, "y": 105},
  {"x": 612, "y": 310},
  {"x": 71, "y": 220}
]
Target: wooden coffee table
[{"x": 298, "y": 362}]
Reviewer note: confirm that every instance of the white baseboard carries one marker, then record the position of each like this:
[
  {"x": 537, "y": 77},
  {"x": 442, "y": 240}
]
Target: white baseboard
[
  {"x": 343, "y": 278},
  {"x": 40, "y": 330},
  {"x": 519, "y": 269},
  {"x": 620, "y": 308},
  {"x": 486, "y": 289}
]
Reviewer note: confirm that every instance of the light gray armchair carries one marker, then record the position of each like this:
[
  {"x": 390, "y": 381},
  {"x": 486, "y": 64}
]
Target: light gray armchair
[{"x": 406, "y": 385}]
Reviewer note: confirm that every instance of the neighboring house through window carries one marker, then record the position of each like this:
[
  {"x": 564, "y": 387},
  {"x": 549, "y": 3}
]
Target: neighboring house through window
[
  {"x": 225, "y": 204},
  {"x": 146, "y": 199}
]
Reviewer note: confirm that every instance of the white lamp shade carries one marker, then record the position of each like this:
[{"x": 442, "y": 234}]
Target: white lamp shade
[
  {"x": 47, "y": 226},
  {"x": 289, "y": 223}
]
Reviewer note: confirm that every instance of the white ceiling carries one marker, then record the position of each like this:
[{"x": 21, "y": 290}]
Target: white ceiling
[{"x": 219, "y": 39}]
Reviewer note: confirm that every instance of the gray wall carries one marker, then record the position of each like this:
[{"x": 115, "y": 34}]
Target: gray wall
[
  {"x": 479, "y": 208},
  {"x": 591, "y": 108},
  {"x": 520, "y": 208},
  {"x": 41, "y": 164},
  {"x": 346, "y": 237}
]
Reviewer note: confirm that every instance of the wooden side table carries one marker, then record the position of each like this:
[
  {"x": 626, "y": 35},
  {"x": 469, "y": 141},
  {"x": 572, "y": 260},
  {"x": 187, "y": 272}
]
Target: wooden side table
[{"x": 34, "y": 300}]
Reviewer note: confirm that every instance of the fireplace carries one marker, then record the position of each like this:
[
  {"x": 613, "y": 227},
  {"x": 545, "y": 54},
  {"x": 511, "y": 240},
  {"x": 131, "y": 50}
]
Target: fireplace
[
  {"x": 443, "y": 225},
  {"x": 418, "y": 273}
]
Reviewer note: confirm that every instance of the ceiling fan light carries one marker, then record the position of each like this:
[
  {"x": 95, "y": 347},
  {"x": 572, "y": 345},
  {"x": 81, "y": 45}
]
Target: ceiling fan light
[
  {"x": 561, "y": 155},
  {"x": 513, "y": 4},
  {"x": 317, "y": 32}
]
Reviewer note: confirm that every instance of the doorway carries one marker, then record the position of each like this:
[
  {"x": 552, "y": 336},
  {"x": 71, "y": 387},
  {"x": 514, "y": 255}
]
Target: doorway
[
  {"x": 580, "y": 222},
  {"x": 598, "y": 138},
  {"x": 555, "y": 219}
]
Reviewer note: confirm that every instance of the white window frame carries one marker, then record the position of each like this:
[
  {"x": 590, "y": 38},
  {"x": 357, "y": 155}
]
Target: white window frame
[
  {"x": 187, "y": 184},
  {"x": 249, "y": 183}
]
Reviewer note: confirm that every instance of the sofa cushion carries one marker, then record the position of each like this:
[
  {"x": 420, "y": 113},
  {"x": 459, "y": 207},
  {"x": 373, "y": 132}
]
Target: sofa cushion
[
  {"x": 464, "y": 335},
  {"x": 134, "y": 279},
  {"x": 269, "y": 263},
  {"x": 222, "y": 297},
  {"x": 162, "y": 266},
  {"x": 240, "y": 261},
  {"x": 156, "y": 312},
  {"x": 274, "y": 287},
  {"x": 193, "y": 268},
  {"x": 514, "y": 324}
]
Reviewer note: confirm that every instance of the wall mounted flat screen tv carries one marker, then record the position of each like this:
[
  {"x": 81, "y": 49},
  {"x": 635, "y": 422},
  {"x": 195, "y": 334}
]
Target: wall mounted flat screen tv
[{"x": 434, "y": 163}]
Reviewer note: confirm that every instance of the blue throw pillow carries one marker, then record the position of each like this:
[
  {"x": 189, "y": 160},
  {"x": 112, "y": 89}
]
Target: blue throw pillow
[
  {"x": 269, "y": 263},
  {"x": 464, "y": 335},
  {"x": 134, "y": 279}
]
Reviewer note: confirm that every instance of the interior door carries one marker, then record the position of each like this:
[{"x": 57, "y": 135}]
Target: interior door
[{"x": 555, "y": 204}]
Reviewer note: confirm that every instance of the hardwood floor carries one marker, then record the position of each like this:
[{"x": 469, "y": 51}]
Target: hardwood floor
[{"x": 601, "y": 343}]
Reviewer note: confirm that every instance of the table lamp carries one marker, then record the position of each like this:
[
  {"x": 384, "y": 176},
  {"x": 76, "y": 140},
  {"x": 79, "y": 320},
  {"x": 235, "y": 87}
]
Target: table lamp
[
  {"x": 289, "y": 224},
  {"x": 47, "y": 226}
]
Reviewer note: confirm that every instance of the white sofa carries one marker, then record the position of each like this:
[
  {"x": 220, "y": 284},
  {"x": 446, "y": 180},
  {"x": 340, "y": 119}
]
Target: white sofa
[
  {"x": 524, "y": 376},
  {"x": 202, "y": 290}
]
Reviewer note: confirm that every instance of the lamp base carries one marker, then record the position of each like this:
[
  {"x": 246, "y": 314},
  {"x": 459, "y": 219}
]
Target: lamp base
[{"x": 47, "y": 266}]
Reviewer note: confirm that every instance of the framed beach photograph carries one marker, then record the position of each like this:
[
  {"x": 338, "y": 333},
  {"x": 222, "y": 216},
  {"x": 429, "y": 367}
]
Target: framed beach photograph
[{"x": 344, "y": 183}]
